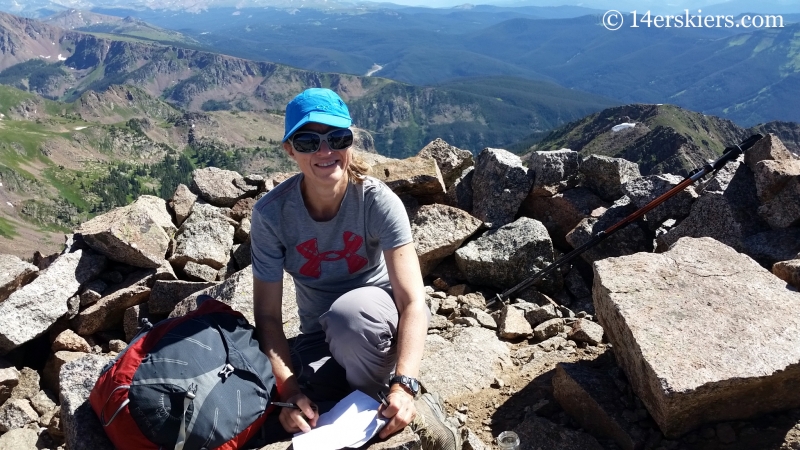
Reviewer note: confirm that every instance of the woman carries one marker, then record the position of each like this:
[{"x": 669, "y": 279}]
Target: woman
[{"x": 346, "y": 240}]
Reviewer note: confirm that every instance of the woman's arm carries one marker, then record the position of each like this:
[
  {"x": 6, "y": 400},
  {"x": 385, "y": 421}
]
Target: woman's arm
[
  {"x": 267, "y": 298},
  {"x": 409, "y": 296}
]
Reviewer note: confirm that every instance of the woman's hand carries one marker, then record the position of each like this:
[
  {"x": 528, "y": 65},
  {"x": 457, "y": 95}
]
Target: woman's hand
[
  {"x": 401, "y": 411},
  {"x": 303, "y": 419}
]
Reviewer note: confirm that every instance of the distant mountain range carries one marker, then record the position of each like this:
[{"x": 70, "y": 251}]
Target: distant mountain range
[
  {"x": 748, "y": 76},
  {"x": 472, "y": 114}
]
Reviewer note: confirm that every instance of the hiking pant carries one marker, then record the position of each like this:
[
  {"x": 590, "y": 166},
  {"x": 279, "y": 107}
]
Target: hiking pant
[{"x": 355, "y": 349}]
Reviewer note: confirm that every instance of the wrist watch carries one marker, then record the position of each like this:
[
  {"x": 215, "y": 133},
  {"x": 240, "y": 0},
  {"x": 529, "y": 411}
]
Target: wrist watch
[{"x": 411, "y": 384}]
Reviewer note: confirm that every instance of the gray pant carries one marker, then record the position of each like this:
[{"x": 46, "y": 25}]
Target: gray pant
[{"x": 359, "y": 337}]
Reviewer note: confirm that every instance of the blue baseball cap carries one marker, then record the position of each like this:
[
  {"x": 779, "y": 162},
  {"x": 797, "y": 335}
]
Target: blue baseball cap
[{"x": 316, "y": 105}]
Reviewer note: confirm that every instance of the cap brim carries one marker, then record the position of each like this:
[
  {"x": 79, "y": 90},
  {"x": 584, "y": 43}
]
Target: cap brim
[{"x": 319, "y": 117}]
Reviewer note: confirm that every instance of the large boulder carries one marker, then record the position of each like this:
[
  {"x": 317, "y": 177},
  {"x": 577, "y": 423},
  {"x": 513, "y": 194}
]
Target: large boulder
[
  {"x": 563, "y": 211},
  {"x": 82, "y": 428},
  {"x": 769, "y": 247},
  {"x": 221, "y": 187},
  {"x": 438, "y": 231},
  {"x": 206, "y": 237},
  {"x": 30, "y": 311},
  {"x": 168, "y": 293},
  {"x": 416, "y": 176},
  {"x": 769, "y": 147},
  {"x": 467, "y": 363},
  {"x": 499, "y": 185},
  {"x": 547, "y": 435},
  {"x": 778, "y": 186},
  {"x": 108, "y": 312},
  {"x": 554, "y": 171},
  {"x": 508, "y": 255},
  {"x": 138, "y": 234},
  {"x": 606, "y": 175},
  {"x": 703, "y": 333},
  {"x": 645, "y": 189},
  {"x": 451, "y": 160},
  {"x": 14, "y": 273},
  {"x": 459, "y": 194},
  {"x": 181, "y": 203},
  {"x": 16, "y": 413},
  {"x": 635, "y": 237},
  {"x": 727, "y": 210}
]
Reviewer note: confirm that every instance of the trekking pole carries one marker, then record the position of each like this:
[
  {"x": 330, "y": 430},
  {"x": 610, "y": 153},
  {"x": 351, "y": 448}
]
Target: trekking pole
[{"x": 728, "y": 155}]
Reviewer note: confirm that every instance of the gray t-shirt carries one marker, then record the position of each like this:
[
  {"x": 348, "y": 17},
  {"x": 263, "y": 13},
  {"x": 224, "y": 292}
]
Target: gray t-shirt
[{"x": 327, "y": 259}]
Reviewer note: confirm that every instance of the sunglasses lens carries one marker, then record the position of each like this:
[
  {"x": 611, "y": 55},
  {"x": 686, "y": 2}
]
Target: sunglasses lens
[
  {"x": 306, "y": 142},
  {"x": 340, "y": 139}
]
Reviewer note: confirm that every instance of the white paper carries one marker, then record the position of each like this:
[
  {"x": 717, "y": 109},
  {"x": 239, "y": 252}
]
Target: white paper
[{"x": 351, "y": 423}]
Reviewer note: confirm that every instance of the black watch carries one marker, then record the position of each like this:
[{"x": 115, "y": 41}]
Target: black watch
[{"x": 409, "y": 383}]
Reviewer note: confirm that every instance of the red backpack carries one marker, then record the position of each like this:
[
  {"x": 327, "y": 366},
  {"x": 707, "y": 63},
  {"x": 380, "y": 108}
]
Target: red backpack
[{"x": 192, "y": 382}]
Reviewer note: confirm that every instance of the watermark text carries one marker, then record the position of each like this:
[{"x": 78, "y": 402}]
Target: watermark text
[{"x": 614, "y": 20}]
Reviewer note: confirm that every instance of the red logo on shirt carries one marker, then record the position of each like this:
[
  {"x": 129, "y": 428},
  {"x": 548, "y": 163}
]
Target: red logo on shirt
[{"x": 309, "y": 250}]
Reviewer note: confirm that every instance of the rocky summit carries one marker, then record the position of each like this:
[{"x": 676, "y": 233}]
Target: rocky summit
[{"x": 679, "y": 332}]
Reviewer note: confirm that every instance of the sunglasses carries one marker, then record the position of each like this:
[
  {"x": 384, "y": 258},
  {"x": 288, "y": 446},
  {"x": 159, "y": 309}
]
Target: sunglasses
[{"x": 309, "y": 141}]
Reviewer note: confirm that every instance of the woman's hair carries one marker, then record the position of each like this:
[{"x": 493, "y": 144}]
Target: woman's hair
[{"x": 357, "y": 169}]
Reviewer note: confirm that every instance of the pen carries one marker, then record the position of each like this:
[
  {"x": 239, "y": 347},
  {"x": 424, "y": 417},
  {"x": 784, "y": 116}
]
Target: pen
[
  {"x": 284, "y": 405},
  {"x": 383, "y": 398}
]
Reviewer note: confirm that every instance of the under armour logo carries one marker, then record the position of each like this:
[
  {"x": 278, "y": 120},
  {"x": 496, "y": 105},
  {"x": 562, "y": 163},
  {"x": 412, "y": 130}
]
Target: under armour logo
[{"x": 309, "y": 250}]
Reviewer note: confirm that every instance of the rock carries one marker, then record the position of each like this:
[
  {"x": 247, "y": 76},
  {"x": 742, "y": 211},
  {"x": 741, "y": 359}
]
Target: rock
[
  {"x": 778, "y": 186},
  {"x": 242, "y": 233},
  {"x": 134, "y": 234},
  {"x": 563, "y": 211},
  {"x": 483, "y": 318},
  {"x": 467, "y": 363},
  {"x": 109, "y": 310},
  {"x": 220, "y": 187},
  {"x": 645, "y": 189},
  {"x": 28, "y": 385},
  {"x": 548, "y": 329},
  {"x": 199, "y": 272},
  {"x": 19, "y": 439},
  {"x": 92, "y": 292},
  {"x": 14, "y": 273},
  {"x": 156, "y": 208},
  {"x": 166, "y": 294},
  {"x": 499, "y": 185},
  {"x": 451, "y": 160},
  {"x": 16, "y": 413},
  {"x": 459, "y": 194},
  {"x": 586, "y": 331},
  {"x": 206, "y": 237},
  {"x": 53, "y": 367},
  {"x": 539, "y": 314},
  {"x": 727, "y": 211},
  {"x": 243, "y": 209},
  {"x": 236, "y": 292},
  {"x": 591, "y": 397},
  {"x": 472, "y": 300},
  {"x": 576, "y": 285},
  {"x": 42, "y": 403},
  {"x": 553, "y": 343},
  {"x": 414, "y": 176},
  {"x": 771, "y": 246},
  {"x": 788, "y": 271},
  {"x": 9, "y": 379},
  {"x": 448, "y": 305},
  {"x": 243, "y": 254},
  {"x": 555, "y": 171},
  {"x": 116, "y": 345},
  {"x": 769, "y": 147},
  {"x": 31, "y": 310},
  {"x": 132, "y": 319},
  {"x": 513, "y": 324},
  {"x": 82, "y": 429},
  {"x": 181, "y": 203},
  {"x": 471, "y": 441},
  {"x": 438, "y": 322},
  {"x": 459, "y": 289},
  {"x": 687, "y": 345},
  {"x": 506, "y": 256},
  {"x": 439, "y": 230},
  {"x": 543, "y": 434},
  {"x": 466, "y": 321},
  {"x": 605, "y": 175},
  {"x": 68, "y": 340}
]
